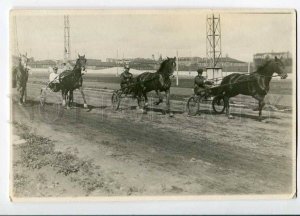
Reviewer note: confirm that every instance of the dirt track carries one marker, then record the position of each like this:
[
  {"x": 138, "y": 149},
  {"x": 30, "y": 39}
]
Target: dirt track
[{"x": 100, "y": 152}]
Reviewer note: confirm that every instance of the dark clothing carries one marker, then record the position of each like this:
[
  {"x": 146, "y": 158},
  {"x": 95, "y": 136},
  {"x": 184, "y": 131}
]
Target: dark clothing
[
  {"x": 199, "y": 84},
  {"x": 55, "y": 87},
  {"x": 125, "y": 77},
  {"x": 20, "y": 73}
]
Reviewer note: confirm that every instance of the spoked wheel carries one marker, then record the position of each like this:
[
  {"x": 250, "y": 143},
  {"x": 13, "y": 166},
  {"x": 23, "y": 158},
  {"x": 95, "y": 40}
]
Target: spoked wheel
[
  {"x": 116, "y": 100},
  {"x": 42, "y": 98},
  {"x": 218, "y": 104},
  {"x": 193, "y": 106},
  {"x": 141, "y": 102},
  {"x": 50, "y": 106}
]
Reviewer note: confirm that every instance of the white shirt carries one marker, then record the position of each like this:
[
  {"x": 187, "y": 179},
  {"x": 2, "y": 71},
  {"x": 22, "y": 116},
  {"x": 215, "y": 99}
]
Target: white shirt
[{"x": 53, "y": 76}]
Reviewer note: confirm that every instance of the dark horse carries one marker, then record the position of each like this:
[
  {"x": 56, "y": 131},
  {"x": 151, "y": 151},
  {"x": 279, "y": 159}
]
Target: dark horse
[
  {"x": 20, "y": 78},
  {"x": 255, "y": 84},
  {"x": 72, "y": 79},
  {"x": 159, "y": 81}
]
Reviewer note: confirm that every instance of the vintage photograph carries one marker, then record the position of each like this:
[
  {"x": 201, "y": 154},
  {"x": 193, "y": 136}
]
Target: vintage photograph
[{"x": 153, "y": 104}]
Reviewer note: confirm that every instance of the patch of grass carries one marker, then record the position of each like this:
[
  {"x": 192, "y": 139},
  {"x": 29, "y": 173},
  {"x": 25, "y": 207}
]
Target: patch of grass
[
  {"x": 68, "y": 163},
  {"x": 90, "y": 184},
  {"x": 35, "y": 152},
  {"x": 40, "y": 152},
  {"x": 19, "y": 181}
]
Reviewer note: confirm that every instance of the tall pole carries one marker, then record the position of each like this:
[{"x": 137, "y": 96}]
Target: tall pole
[
  {"x": 117, "y": 63},
  {"x": 214, "y": 40},
  {"x": 248, "y": 67},
  {"x": 67, "y": 54},
  {"x": 177, "y": 79}
]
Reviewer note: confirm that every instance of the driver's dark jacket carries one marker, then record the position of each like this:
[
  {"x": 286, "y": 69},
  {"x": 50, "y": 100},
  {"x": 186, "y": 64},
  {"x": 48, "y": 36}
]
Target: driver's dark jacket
[
  {"x": 199, "y": 84},
  {"x": 125, "y": 77}
]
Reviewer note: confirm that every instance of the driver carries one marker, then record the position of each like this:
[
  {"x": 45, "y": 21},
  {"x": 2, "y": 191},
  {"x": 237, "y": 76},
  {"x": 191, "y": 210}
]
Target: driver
[
  {"x": 200, "y": 83},
  {"x": 125, "y": 77},
  {"x": 54, "y": 81}
]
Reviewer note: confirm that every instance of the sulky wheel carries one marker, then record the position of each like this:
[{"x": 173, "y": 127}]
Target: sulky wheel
[
  {"x": 42, "y": 98},
  {"x": 115, "y": 100},
  {"x": 218, "y": 104},
  {"x": 193, "y": 106}
]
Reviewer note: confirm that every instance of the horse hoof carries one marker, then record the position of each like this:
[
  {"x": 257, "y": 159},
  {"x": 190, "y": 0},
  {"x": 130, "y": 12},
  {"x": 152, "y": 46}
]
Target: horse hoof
[
  {"x": 85, "y": 106},
  {"x": 142, "y": 111},
  {"x": 230, "y": 117}
]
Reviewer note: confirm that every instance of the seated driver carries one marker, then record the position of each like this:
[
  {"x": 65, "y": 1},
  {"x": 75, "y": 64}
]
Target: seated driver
[
  {"x": 126, "y": 77},
  {"x": 200, "y": 83},
  {"x": 54, "y": 81}
]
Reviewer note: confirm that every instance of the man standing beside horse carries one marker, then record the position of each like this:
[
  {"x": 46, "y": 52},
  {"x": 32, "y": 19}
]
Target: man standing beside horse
[{"x": 20, "y": 74}]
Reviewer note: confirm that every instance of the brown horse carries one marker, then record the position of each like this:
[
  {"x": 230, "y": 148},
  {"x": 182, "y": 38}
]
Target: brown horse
[
  {"x": 20, "y": 77},
  {"x": 159, "y": 82},
  {"x": 255, "y": 84}
]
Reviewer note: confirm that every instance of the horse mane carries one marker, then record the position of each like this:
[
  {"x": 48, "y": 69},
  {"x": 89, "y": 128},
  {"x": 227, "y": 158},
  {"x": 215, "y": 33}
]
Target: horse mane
[
  {"x": 261, "y": 68},
  {"x": 162, "y": 65}
]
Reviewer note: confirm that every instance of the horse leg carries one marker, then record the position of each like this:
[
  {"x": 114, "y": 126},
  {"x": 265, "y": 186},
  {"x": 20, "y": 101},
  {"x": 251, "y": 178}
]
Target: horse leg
[
  {"x": 21, "y": 95},
  {"x": 141, "y": 109},
  {"x": 261, "y": 104},
  {"x": 168, "y": 103},
  {"x": 227, "y": 106},
  {"x": 70, "y": 98},
  {"x": 83, "y": 97},
  {"x": 63, "y": 94},
  {"x": 67, "y": 96},
  {"x": 24, "y": 95},
  {"x": 146, "y": 99},
  {"x": 160, "y": 98}
]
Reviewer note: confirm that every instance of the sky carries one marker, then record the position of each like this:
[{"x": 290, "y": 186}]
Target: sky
[{"x": 110, "y": 34}]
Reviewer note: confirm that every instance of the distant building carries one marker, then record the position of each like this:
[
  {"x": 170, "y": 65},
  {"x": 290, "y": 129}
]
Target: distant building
[
  {"x": 118, "y": 61},
  {"x": 42, "y": 64},
  {"x": 228, "y": 64}
]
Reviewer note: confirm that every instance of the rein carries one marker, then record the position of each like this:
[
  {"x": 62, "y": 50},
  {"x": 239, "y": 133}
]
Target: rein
[{"x": 220, "y": 78}]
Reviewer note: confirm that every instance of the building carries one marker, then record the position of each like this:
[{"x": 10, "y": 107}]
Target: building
[{"x": 228, "y": 64}]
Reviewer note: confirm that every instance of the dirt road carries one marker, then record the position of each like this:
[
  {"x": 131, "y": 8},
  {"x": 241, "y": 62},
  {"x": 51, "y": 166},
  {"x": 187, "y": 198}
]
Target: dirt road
[{"x": 98, "y": 152}]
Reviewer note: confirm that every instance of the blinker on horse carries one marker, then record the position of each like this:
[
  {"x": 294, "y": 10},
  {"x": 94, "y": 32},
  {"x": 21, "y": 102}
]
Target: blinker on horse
[{"x": 256, "y": 84}]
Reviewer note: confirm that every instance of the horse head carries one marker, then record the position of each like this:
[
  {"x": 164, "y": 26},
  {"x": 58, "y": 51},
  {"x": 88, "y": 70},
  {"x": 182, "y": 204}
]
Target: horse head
[
  {"x": 168, "y": 66},
  {"x": 278, "y": 67},
  {"x": 81, "y": 62}
]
